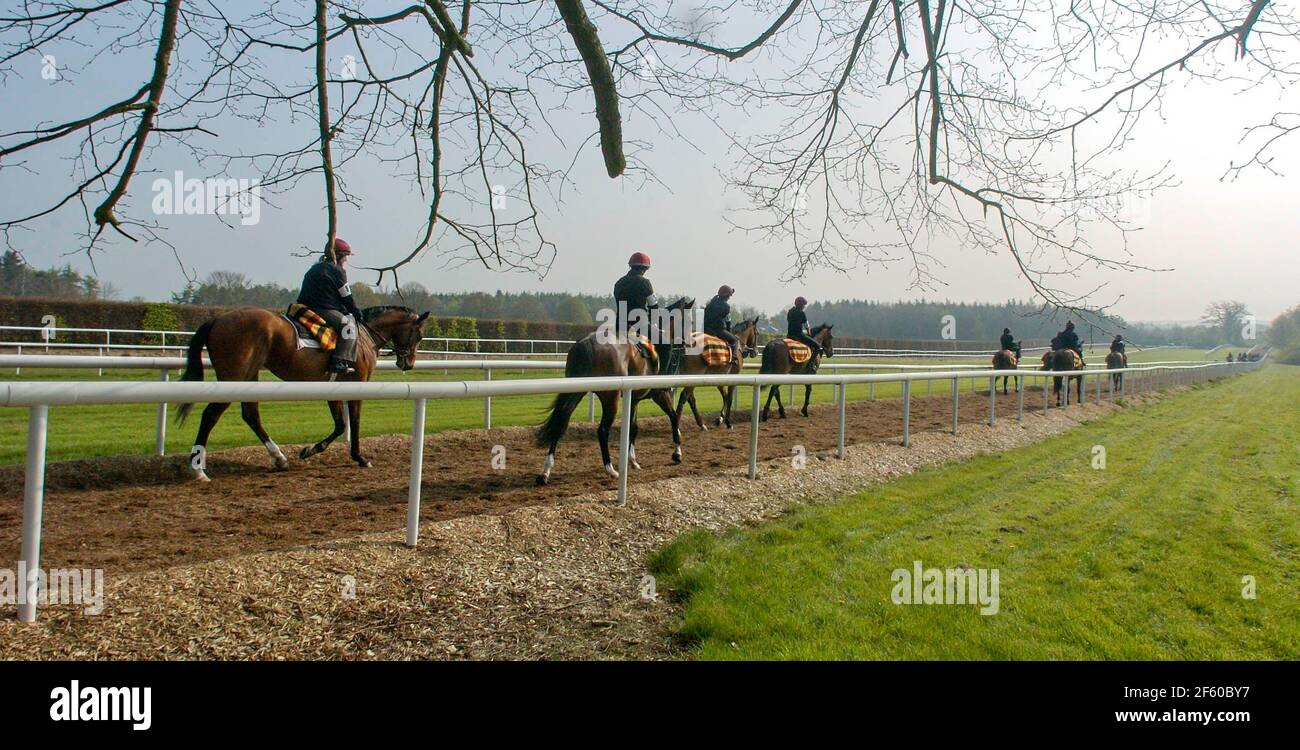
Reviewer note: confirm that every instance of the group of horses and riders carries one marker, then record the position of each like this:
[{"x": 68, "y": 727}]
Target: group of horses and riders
[
  {"x": 1065, "y": 355},
  {"x": 325, "y": 336},
  {"x": 639, "y": 342}
]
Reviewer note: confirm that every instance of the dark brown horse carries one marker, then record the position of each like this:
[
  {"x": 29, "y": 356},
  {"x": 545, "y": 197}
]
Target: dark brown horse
[
  {"x": 594, "y": 356},
  {"x": 1064, "y": 360},
  {"x": 695, "y": 364},
  {"x": 1005, "y": 359},
  {"x": 244, "y": 342},
  {"x": 1116, "y": 361},
  {"x": 777, "y": 361}
]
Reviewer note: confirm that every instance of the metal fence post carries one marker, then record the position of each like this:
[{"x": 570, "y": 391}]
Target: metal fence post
[
  {"x": 417, "y": 473},
  {"x": 1020, "y": 399},
  {"x": 955, "y": 391},
  {"x": 160, "y": 438},
  {"x": 871, "y": 387},
  {"x": 907, "y": 413},
  {"x": 993, "y": 401},
  {"x": 753, "y": 431},
  {"x": 487, "y": 401},
  {"x": 591, "y": 406},
  {"x": 1045, "y": 379},
  {"x": 839, "y": 448},
  {"x": 29, "y": 560},
  {"x": 624, "y": 444}
]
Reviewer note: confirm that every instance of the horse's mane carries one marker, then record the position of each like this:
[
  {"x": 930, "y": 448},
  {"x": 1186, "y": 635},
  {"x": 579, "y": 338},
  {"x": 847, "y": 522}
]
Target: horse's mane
[
  {"x": 820, "y": 327},
  {"x": 370, "y": 313},
  {"x": 745, "y": 325}
]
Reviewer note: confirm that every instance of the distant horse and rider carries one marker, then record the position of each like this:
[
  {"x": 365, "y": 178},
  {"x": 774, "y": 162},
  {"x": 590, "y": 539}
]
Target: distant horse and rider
[
  {"x": 1066, "y": 355},
  {"x": 715, "y": 357},
  {"x": 795, "y": 356},
  {"x": 243, "y": 342}
]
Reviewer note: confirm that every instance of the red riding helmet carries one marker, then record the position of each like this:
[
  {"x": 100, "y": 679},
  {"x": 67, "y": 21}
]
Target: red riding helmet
[
  {"x": 725, "y": 291},
  {"x": 800, "y": 301},
  {"x": 341, "y": 247},
  {"x": 639, "y": 259}
]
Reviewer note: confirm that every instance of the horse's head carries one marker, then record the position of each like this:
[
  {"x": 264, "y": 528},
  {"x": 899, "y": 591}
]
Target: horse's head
[
  {"x": 401, "y": 328},
  {"x": 822, "y": 334},
  {"x": 747, "y": 333}
]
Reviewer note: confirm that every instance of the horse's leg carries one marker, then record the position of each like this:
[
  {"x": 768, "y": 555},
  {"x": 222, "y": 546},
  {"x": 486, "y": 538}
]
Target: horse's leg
[
  {"x": 1056, "y": 388},
  {"x": 563, "y": 409},
  {"x": 767, "y": 405},
  {"x": 253, "y": 418},
  {"x": 608, "y": 405},
  {"x": 695, "y": 409},
  {"x": 724, "y": 417},
  {"x": 807, "y": 394},
  {"x": 336, "y": 411},
  {"x": 631, "y": 438},
  {"x": 665, "y": 402},
  {"x": 780, "y": 407},
  {"x": 354, "y": 424},
  {"x": 199, "y": 453}
]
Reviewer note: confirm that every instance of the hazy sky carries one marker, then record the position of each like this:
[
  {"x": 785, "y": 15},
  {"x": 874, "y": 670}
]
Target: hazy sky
[{"x": 1223, "y": 240}]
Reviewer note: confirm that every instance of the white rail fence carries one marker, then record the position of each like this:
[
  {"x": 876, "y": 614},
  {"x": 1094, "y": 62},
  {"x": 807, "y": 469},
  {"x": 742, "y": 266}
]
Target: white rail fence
[
  {"x": 166, "y": 365},
  {"x": 38, "y": 397},
  {"x": 467, "y": 346}
]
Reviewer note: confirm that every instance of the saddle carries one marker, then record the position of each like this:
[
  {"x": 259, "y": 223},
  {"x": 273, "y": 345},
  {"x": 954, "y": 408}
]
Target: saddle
[
  {"x": 311, "y": 330},
  {"x": 799, "y": 351},
  {"x": 716, "y": 352}
]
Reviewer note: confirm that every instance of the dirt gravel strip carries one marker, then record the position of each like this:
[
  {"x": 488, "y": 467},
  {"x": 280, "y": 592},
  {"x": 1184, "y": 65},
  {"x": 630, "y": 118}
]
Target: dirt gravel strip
[{"x": 557, "y": 581}]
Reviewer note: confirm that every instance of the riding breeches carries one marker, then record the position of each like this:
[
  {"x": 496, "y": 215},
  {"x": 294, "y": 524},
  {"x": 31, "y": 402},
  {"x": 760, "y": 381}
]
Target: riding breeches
[
  {"x": 346, "y": 349},
  {"x": 725, "y": 335}
]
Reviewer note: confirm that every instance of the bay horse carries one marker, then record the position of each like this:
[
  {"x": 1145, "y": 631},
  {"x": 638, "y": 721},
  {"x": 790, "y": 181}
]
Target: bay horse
[
  {"x": 594, "y": 355},
  {"x": 243, "y": 342},
  {"x": 1064, "y": 360},
  {"x": 777, "y": 361},
  {"x": 1005, "y": 359},
  {"x": 1116, "y": 361},
  {"x": 695, "y": 364}
]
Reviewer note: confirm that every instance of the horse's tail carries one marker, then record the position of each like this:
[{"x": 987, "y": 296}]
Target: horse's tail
[
  {"x": 577, "y": 364},
  {"x": 194, "y": 365},
  {"x": 769, "y": 357}
]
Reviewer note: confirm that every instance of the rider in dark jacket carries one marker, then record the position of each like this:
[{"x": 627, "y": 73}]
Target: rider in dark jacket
[
  {"x": 633, "y": 291},
  {"x": 1118, "y": 344},
  {"x": 325, "y": 290},
  {"x": 1069, "y": 339},
  {"x": 796, "y": 326},
  {"x": 717, "y": 317},
  {"x": 1009, "y": 342}
]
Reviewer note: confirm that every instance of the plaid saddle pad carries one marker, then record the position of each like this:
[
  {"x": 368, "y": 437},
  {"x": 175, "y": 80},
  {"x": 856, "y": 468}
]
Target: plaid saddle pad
[
  {"x": 799, "y": 351},
  {"x": 309, "y": 320},
  {"x": 716, "y": 353}
]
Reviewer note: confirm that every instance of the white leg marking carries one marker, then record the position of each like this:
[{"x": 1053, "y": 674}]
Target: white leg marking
[
  {"x": 610, "y": 470},
  {"x": 631, "y": 457},
  {"x": 277, "y": 456}
]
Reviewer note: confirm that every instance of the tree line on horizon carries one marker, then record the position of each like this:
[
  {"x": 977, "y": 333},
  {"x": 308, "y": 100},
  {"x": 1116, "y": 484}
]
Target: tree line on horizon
[{"x": 903, "y": 319}]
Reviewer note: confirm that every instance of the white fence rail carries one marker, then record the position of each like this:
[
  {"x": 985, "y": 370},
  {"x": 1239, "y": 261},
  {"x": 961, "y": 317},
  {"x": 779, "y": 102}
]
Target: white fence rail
[
  {"x": 38, "y": 397},
  {"x": 166, "y": 365}
]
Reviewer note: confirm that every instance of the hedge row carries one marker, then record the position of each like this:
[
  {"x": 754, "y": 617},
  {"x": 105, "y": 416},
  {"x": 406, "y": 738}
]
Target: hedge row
[{"x": 72, "y": 313}]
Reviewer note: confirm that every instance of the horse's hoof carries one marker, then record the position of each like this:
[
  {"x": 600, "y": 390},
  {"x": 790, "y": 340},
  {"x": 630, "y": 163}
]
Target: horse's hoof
[
  {"x": 677, "y": 456},
  {"x": 201, "y": 476},
  {"x": 704, "y": 428},
  {"x": 306, "y": 452},
  {"x": 362, "y": 462},
  {"x": 611, "y": 471},
  {"x": 634, "y": 465},
  {"x": 804, "y": 412},
  {"x": 540, "y": 481},
  {"x": 763, "y": 417},
  {"x": 281, "y": 463}
]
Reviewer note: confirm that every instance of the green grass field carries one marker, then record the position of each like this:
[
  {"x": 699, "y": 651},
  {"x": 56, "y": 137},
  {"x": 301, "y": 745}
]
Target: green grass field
[
  {"x": 1141, "y": 559},
  {"x": 86, "y": 431}
]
